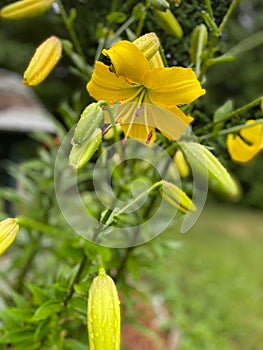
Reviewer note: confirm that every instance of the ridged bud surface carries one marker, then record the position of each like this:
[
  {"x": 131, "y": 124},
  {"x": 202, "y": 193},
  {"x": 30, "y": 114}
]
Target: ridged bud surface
[
  {"x": 103, "y": 314},
  {"x": 43, "y": 61}
]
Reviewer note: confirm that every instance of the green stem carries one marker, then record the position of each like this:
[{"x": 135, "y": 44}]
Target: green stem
[
  {"x": 29, "y": 223},
  {"x": 135, "y": 200},
  {"x": 233, "y": 129},
  {"x": 209, "y": 8},
  {"x": 227, "y": 15},
  {"x": 118, "y": 32},
  {"x": 230, "y": 115},
  {"x": 71, "y": 30},
  {"x": 75, "y": 280}
]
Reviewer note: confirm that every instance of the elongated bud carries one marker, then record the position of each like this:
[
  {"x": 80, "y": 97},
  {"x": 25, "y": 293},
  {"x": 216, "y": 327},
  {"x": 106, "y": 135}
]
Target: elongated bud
[
  {"x": 8, "y": 232},
  {"x": 89, "y": 121},
  {"x": 25, "y": 9},
  {"x": 169, "y": 23},
  {"x": 177, "y": 197},
  {"x": 207, "y": 165},
  {"x": 81, "y": 153},
  {"x": 103, "y": 314},
  {"x": 44, "y": 60},
  {"x": 156, "y": 61},
  {"x": 181, "y": 164},
  {"x": 161, "y": 5},
  {"x": 148, "y": 44},
  {"x": 198, "y": 42}
]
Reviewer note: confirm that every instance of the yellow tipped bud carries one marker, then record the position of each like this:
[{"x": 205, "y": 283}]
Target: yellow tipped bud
[
  {"x": 25, "y": 9},
  {"x": 181, "y": 164},
  {"x": 103, "y": 314},
  {"x": 8, "y": 232},
  {"x": 169, "y": 23},
  {"x": 177, "y": 197},
  {"x": 43, "y": 61},
  {"x": 148, "y": 44}
]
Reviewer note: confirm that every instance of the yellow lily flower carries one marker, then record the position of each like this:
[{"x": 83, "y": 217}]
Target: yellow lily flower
[
  {"x": 243, "y": 151},
  {"x": 137, "y": 84},
  {"x": 8, "y": 232}
]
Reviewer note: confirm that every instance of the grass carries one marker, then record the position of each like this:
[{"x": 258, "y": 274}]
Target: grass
[{"x": 213, "y": 284}]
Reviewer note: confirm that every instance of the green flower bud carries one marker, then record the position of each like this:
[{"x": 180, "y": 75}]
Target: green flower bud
[
  {"x": 81, "y": 153},
  {"x": 25, "y": 9},
  {"x": 89, "y": 121},
  {"x": 198, "y": 42},
  {"x": 148, "y": 44},
  {"x": 206, "y": 164},
  {"x": 178, "y": 198},
  {"x": 161, "y": 5},
  {"x": 103, "y": 316},
  {"x": 169, "y": 23},
  {"x": 8, "y": 232}
]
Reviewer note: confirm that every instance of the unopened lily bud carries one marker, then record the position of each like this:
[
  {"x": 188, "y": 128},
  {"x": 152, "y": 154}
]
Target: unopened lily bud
[
  {"x": 89, "y": 121},
  {"x": 81, "y": 153},
  {"x": 169, "y": 23},
  {"x": 156, "y": 61},
  {"x": 148, "y": 44},
  {"x": 181, "y": 164},
  {"x": 25, "y": 9},
  {"x": 177, "y": 197},
  {"x": 161, "y": 5},
  {"x": 208, "y": 166},
  {"x": 43, "y": 61},
  {"x": 103, "y": 314},
  {"x": 8, "y": 232},
  {"x": 198, "y": 42}
]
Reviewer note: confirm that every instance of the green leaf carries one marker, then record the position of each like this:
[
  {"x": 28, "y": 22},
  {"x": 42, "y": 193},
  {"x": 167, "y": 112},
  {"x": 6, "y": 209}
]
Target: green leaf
[
  {"x": 24, "y": 314},
  {"x": 79, "y": 304},
  {"x": 19, "y": 300},
  {"x": 72, "y": 344},
  {"x": 139, "y": 11},
  {"x": 220, "y": 115},
  {"x": 17, "y": 336},
  {"x": 39, "y": 294},
  {"x": 116, "y": 17},
  {"x": 47, "y": 309}
]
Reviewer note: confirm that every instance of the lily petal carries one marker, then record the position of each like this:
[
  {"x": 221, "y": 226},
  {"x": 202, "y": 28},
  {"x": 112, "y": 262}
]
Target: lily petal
[
  {"x": 239, "y": 150},
  {"x": 172, "y": 86},
  {"x": 172, "y": 122},
  {"x": 143, "y": 133},
  {"x": 105, "y": 85},
  {"x": 128, "y": 61},
  {"x": 253, "y": 134}
]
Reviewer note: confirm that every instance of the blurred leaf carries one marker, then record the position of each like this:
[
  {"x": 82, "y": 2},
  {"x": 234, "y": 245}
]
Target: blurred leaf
[
  {"x": 39, "y": 294},
  {"x": 138, "y": 11},
  {"x": 116, "y": 17},
  {"x": 221, "y": 113},
  {"x": 72, "y": 344},
  {"x": 247, "y": 44},
  {"x": 47, "y": 309}
]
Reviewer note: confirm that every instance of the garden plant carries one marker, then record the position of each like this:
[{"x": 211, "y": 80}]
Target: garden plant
[{"x": 137, "y": 150}]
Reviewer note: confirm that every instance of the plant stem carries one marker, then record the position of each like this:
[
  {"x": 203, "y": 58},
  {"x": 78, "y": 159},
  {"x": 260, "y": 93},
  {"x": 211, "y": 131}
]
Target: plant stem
[
  {"x": 229, "y": 115},
  {"x": 209, "y": 8},
  {"x": 231, "y": 130},
  {"x": 75, "y": 280},
  {"x": 71, "y": 30},
  {"x": 29, "y": 223},
  {"x": 227, "y": 15}
]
